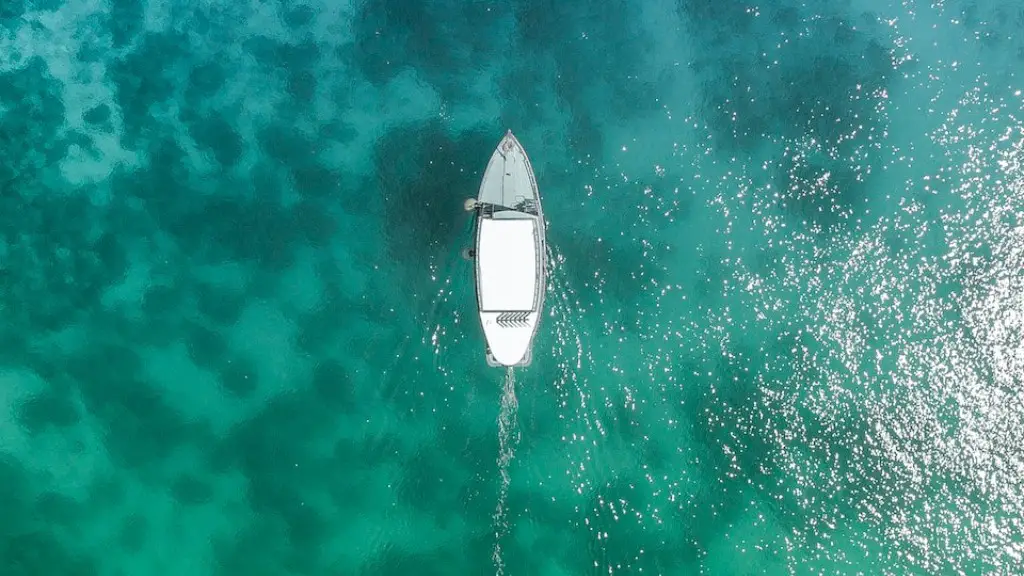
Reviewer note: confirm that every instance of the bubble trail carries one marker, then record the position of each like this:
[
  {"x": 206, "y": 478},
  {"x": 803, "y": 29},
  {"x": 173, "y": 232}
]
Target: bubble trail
[{"x": 508, "y": 438}]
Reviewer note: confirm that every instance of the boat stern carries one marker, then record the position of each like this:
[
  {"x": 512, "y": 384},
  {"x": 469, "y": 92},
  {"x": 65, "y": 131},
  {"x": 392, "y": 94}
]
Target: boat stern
[
  {"x": 509, "y": 337},
  {"x": 524, "y": 363}
]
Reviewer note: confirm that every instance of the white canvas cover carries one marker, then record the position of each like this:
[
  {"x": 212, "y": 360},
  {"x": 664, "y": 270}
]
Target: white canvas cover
[{"x": 507, "y": 260}]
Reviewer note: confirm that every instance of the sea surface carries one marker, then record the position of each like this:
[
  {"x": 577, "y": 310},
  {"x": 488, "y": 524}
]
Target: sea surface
[{"x": 783, "y": 332}]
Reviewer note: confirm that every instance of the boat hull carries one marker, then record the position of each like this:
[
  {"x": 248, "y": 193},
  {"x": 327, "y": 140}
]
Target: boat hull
[{"x": 510, "y": 255}]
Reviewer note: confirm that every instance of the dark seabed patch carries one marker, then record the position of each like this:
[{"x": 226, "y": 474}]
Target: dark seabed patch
[
  {"x": 127, "y": 21},
  {"x": 57, "y": 509},
  {"x": 215, "y": 134},
  {"x": 97, "y": 115},
  {"x": 423, "y": 175},
  {"x": 445, "y": 42},
  {"x": 33, "y": 114},
  {"x": 142, "y": 88},
  {"x": 297, "y": 15},
  {"x": 333, "y": 387},
  {"x": 222, "y": 305},
  {"x": 205, "y": 347},
  {"x": 282, "y": 470},
  {"x": 601, "y": 82},
  {"x": 238, "y": 376},
  {"x": 50, "y": 408},
  {"x": 134, "y": 532},
  {"x": 28, "y": 545},
  {"x": 50, "y": 253},
  {"x": 138, "y": 426},
  {"x": 188, "y": 490},
  {"x": 11, "y": 11}
]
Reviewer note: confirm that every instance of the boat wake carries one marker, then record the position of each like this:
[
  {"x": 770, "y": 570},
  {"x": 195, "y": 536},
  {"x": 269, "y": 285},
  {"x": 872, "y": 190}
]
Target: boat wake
[{"x": 508, "y": 438}]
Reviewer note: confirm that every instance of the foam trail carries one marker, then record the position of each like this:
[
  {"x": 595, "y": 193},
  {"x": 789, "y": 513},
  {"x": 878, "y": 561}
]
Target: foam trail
[{"x": 508, "y": 438}]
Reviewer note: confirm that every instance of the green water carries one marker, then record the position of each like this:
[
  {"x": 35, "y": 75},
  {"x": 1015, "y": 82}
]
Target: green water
[{"x": 783, "y": 328}]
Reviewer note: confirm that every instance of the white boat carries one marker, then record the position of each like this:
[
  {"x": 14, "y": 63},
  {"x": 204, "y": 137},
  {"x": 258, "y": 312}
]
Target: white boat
[{"x": 509, "y": 255}]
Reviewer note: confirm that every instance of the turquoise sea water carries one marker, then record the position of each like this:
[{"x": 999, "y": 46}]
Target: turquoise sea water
[{"x": 784, "y": 323}]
